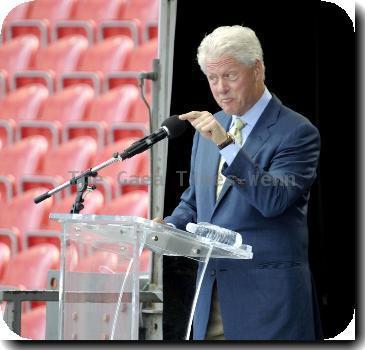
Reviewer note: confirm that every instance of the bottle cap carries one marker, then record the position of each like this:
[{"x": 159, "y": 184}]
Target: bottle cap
[{"x": 191, "y": 227}]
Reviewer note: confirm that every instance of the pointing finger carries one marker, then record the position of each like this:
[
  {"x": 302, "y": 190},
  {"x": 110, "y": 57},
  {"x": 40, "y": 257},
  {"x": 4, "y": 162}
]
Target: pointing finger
[{"x": 190, "y": 116}]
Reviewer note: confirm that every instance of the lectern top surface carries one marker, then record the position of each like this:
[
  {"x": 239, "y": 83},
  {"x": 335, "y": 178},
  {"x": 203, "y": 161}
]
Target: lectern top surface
[{"x": 161, "y": 239}]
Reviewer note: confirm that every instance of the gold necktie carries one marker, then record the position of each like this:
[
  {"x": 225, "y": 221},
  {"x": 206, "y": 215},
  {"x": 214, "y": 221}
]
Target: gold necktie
[{"x": 235, "y": 131}]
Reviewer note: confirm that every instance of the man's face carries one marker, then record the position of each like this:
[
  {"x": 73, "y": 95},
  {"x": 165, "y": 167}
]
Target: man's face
[{"x": 235, "y": 86}]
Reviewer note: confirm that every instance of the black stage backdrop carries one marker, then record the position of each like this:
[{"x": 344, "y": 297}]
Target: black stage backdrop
[{"x": 309, "y": 52}]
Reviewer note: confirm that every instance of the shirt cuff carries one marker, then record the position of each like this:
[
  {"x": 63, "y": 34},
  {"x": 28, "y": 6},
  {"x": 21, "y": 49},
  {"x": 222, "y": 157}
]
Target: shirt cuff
[
  {"x": 170, "y": 224},
  {"x": 229, "y": 152}
]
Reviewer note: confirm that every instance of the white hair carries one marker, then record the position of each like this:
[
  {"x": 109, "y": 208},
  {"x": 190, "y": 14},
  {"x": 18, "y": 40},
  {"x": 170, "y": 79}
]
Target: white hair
[{"x": 236, "y": 41}]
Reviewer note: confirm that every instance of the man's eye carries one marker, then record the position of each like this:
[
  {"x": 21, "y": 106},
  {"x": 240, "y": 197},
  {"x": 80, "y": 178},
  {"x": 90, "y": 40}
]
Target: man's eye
[
  {"x": 232, "y": 76},
  {"x": 212, "y": 79}
]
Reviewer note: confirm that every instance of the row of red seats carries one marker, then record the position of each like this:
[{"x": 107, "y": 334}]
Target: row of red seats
[
  {"x": 74, "y": 111},
  {"x": 52, "y": 19},
  {"x": 24, "y": 223},
  {"x": 112, "y": 62},
  {"x": 28, "y": 270},
  {"x": 39, "y": 240},
  {"x": 30, "y": 163}
]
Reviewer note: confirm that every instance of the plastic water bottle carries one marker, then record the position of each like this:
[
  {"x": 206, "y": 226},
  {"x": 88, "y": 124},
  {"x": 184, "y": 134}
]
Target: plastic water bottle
[{"x": 215, "y": 233}]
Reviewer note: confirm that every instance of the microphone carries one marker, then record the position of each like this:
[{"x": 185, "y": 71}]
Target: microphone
[{"x": 172, "y": 127}]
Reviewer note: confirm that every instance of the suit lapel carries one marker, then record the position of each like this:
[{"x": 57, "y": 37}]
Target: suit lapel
[
  {"x": 260, "y": 133},
  {"x": 258, "y": 136}
]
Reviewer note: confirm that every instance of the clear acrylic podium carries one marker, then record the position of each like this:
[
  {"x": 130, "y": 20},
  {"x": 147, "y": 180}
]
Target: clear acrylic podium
[{"x": 99, "y": 295}]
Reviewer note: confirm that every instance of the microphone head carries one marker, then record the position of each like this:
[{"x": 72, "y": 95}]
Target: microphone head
[{"x": 175, "y": 126}]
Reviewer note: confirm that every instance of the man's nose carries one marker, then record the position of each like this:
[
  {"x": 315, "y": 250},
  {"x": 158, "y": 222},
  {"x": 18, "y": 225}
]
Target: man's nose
[{"x": 222, "y": 86}]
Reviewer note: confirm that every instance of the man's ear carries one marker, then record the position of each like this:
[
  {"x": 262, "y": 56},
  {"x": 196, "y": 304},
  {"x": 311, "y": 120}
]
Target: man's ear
[{"x": 258, "y": 69}]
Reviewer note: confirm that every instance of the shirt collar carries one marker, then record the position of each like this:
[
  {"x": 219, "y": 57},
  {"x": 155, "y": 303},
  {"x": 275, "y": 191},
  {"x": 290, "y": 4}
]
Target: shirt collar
[{"x": 253, "y": 114}]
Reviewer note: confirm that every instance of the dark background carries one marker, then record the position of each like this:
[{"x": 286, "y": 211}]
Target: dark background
[{"x": 310, "y": 58}]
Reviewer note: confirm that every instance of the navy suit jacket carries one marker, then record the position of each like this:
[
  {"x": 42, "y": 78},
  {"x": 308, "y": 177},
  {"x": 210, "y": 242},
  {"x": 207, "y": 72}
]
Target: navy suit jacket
[{"x": 264, "y": 198}]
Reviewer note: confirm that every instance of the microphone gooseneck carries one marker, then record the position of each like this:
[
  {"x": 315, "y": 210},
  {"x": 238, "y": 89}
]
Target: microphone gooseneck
[{"x": 172, "y": 127}]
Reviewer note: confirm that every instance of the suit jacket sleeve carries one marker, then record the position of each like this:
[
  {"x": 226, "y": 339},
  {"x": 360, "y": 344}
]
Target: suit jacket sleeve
[
  {"x": 185, "y": 212},
  {"x": 289, "y": 175}
]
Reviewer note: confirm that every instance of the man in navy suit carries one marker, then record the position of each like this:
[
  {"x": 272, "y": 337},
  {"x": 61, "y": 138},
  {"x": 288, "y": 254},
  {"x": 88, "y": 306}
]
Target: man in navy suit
[{"x": 255, "y": 180}]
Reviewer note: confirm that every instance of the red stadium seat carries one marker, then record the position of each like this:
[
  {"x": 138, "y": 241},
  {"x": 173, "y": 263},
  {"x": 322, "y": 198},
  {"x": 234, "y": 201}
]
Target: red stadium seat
[
  {"x": 140, "y": 112},
  {"x": 140, "y": 60},
  {"x": 138, "y": 116},
  {"x": 33, "y": 323},
  {"x": 61, "y": 56},
  {"x": 50, "y": 232},
  {"x": 107, "y": 56},
  {"x": 22, "y": 158},
  {"x": 20, "y": 216},
  {"x": 94, "y": 201},
  {"x": 21, "y": 104},
  {"x": 110, "y": 108},
  {"x": 87, "y": 16},
  {"x": 41, "y": 19},
  {"x": 145, "y": 263},
  {"x": 105, "y": 261},
  {"x": 61, "y": 163},
  {"x": 133, "y": 203},
  {"x": 67, "y": 105},
  {"x": 125, "y": 176},
  {"x": 100, "y": 261},
  {"x": 29, "y": 269},
  {"x": 141, "y": 57},
  {"x": 135, "y": 18},
  {"x": 17, "y": 54}
]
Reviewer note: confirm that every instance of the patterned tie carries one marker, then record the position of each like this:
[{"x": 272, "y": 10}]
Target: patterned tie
[{"x": 235, "y": 131}]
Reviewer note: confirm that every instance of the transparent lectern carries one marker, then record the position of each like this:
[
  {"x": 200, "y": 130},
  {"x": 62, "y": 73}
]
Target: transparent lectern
[{"x": 99, "y": 272}]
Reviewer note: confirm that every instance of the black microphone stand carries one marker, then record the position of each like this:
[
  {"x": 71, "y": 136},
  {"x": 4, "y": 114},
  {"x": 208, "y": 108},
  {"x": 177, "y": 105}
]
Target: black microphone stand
[
  {"x": 82, "y": 185},
  {"x": 82, "y": 182}
]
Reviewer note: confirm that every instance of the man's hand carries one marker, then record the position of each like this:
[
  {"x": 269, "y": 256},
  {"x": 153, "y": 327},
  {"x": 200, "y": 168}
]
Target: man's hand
[
  {"x": 207, "y": 125},
  {"x": 159, "y": 221}
]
